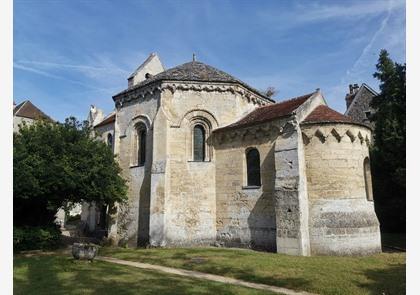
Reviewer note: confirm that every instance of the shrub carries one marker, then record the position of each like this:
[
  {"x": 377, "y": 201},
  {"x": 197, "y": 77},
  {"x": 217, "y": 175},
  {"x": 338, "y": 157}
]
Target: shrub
[{"x": 36, "y": 238}]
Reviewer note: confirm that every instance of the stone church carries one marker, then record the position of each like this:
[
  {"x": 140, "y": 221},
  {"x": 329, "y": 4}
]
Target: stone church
[{"x": 210, "y": 160}]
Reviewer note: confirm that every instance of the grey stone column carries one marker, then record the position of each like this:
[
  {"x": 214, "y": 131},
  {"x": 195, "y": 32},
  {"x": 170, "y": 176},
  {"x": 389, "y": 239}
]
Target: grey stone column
[{"x": 291, "y": 201}]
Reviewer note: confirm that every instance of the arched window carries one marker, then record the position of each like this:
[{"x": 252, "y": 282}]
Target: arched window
[
  {"x": 139, "y": 145},
  {"x": 199, "y": 143},
  {"x": 368, "y": 179},
  {"x": 253, "y": 167},
  {"x": 109, "y": 140},
  {"x": 142, "y": 146}
]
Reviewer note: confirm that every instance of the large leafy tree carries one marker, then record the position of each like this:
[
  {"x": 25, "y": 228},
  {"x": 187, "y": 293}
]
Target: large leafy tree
[
  {"x": 56, "y": 165},
  {"x": 389, "y": 151}
]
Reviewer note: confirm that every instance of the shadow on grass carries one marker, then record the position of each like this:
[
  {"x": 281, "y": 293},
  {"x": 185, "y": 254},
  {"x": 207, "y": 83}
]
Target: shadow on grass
[
  {"x": 249, "y": 275},
  {"x": 212, "y": 261},
  {"x": 389, "y": 281},
  {"x": 63, "y": 275}
]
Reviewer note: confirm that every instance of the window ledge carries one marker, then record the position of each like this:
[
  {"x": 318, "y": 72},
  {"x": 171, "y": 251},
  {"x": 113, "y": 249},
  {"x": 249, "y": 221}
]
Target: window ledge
[
  {"x": 247, "y": 187},
  {"x": 136, "y": 166},
  {"x": 192, "y": 161}
]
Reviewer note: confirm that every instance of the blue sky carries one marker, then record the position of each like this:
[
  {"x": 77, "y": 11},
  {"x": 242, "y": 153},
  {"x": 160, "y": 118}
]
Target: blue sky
[{"x": 71, "y": 54}]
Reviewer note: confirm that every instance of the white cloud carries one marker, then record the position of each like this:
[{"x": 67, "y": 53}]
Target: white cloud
[
  {"x": 318, "y": 12},
  {"x": 390, "y": 35},
  {"x": 54, "y": 76},
  {"x": 104, "y": 68}
]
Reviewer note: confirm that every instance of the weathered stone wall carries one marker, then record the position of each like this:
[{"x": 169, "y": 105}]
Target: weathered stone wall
[
  {"x": 341, "y": 219},
  {"x": 133, "y": 221},
  {"x": 290, "y": 196},
  {"x": 104, "y": 130},
  {"x": 290, "y": 192},
  {"x": 245, "y": 215},
  {"x": 190, "y": 201}
]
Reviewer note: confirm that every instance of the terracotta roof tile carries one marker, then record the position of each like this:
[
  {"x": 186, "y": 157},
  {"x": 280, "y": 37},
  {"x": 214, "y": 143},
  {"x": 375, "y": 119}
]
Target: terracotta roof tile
[
  {"x": 323, "y": 113},
  {"x": 269, "y": 112}
]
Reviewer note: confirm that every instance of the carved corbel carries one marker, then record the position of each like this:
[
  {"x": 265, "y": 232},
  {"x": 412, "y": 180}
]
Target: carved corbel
[{"x": 336, "y": 135}]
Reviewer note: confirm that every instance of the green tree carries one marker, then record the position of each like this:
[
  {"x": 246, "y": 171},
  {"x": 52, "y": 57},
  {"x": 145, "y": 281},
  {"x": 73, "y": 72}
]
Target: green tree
[
  {"x": 57, "y": 164},
  {"x": 389, "y": 150}
]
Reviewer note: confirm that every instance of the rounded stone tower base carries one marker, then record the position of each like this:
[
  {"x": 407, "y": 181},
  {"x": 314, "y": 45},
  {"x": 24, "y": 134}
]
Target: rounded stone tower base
[{"x": 344, "y": 227}]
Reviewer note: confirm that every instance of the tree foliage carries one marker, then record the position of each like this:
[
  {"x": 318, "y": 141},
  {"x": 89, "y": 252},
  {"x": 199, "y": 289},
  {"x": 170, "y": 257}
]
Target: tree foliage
[
  {"x": 55, "y": 165},
  {"x": 389, "y": 150},
  {"x": 270, "y": 91}
]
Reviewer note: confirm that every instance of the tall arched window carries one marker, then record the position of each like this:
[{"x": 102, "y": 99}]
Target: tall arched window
[
  {"x": 199, "y": 143},
  {"x": 253, "y": 167},
  {"x": 109, "y": 140},
  {"x": 139, "y": 145},
  {"x": 368, "y": 179},
  {"x": 142, "y": 146}
]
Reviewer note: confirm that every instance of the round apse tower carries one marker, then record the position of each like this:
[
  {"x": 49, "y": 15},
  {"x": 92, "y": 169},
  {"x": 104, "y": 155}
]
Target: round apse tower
[{"x": 342, "y": 219}]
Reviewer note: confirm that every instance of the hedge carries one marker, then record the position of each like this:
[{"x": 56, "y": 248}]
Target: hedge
[{"x": 36, "y": 238}]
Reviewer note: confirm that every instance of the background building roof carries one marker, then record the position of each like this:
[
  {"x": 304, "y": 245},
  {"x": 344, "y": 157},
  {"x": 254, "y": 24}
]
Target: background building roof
[{"x": 27, "y": 109}]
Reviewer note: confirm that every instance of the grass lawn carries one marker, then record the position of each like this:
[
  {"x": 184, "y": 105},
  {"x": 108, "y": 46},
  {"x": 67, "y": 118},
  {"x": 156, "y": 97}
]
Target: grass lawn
[
  {"x": 379, "y": 274},
  {"x": 60, "y": 274}
]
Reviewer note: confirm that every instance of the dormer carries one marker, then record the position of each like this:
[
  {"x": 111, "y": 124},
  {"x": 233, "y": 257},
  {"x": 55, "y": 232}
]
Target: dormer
[{"x": 149, "y": 68}]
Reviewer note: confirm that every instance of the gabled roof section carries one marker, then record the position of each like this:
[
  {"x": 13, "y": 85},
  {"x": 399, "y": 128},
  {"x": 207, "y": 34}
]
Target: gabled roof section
[
  {"x": 269, "y": 112},
  {"x": 28, "y": 110},
  {"x": 151, "y": 56},
  {"x": 325, "y": 114},
  {"x": 356, "y": 95},
  {"x": 193, "y": 71},
  {"x": 107, "y": 120}
]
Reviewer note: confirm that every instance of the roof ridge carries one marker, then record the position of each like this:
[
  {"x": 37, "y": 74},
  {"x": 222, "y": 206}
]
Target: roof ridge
[
  {"x": 269, "y": 112},
  {"x": 195, "y": 71},
  {"x": 19, "y": 107},
  {"x": 289, "y": 99},
  {"x": 323, "y": 113},
  {"x": 29, "y": 110},
  {"x": 106, "y": 120}
]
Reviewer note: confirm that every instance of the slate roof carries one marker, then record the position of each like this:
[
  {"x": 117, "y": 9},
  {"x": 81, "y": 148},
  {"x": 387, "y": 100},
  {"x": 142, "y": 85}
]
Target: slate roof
[
  {"x": 27, "y": 109},
  {"x": 269, "y": 112},
  {"x": 193, "y": 71},
  {"x": 107, "y": 120},
  {"x": 355, "y": 96}
]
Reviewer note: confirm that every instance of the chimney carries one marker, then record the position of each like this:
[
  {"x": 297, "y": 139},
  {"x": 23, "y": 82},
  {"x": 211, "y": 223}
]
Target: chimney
[
  {"x": 95, "y": 115},
  {"x": 353, "y": 88}
]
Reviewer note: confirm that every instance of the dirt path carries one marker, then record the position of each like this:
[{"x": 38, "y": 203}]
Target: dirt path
[{"x": 205, "y": 276}]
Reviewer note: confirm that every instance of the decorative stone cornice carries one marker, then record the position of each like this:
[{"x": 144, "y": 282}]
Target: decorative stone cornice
[
  {"x": 140, "y": 94},
  {"x": 354, "y": 135},
  {"x": 255, "y": 132},
  {"x": 147, "y": 92}
]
